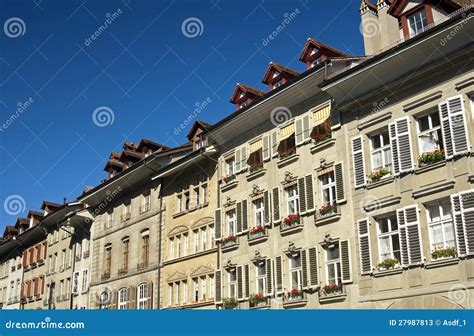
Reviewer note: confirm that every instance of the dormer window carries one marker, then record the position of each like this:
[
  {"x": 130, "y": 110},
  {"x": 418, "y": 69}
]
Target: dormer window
[
  {"x": 244, "y": 104},
  {"x": 418, "y": 22},
  {"x": 278, "y": 84}
]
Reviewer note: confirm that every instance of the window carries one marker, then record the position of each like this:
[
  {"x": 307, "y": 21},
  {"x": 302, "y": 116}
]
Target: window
[
  {"x": 203, "y": 288},
  {"x": 295, "y": 271},
  {"x": 75, "y": 283},
  {"x": 78, "y": 250},
  {"x": 177, "y": 293},
  {"x": 232, "y": 283},
  {"x": 145, "y": 247},
  {"x": 440, "y": 223},
  {"x": 388, "y": 237},
  {"x": 261, "y": 278},
  {"x": 171, "y": 248},
  {"x": 196, "y": 241},
  {"x": 211, "y": 286},
  {"x": 328, "y": 188},
  {"x": 85, "y": 280},
  {"x": 230, "y": 166},
  {"x": 212, "y": 236},
  {"x": 104, "y": 300},
  {"x": 418, "y": 22},
  {"x": 185, "y": 244},
  {"x": 204, "y": 192},
  {"x": 231, "y": 223},
  {"x": 178, "y": 247},
  {"x": 256, "y": 154},
  {"x": 108, "y": 258},
  {"x": 108, "y": 220},
  {"x": 203, "y": 238},
  {"x": 278, "y": 84},
  {"x": 292, "y": 200},
  {"x": 258, "y": 210},
  {"x": 125, "y": 243},
  {"x": 196, "y": 197},
  {"x": 180, "y": 203},
  {"x": 127, "y": 210},
  {"x": 142, "y": 296},
  {"x": 333, "y": 265},
  {"x": 122, "y": 299},
  {"x": 195, "y": 289},
  {"x": 187, "y": 201},
  {"x": 185, "y": 291},
  {"x": 287, "y": 143},
  {"x": 170, "y": 294},
  {"x": 245, "y": 103},
  {"x": 146, "y": 202},
  {"x": 381, "y": 151},
  {"x": 430, "y": 136}
]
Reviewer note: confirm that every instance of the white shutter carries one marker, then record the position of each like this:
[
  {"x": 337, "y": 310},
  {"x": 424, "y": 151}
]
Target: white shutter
[
  {"x": 466, "y": 201},
  {"x": 299, "y": 131},
  {"x": 339, "y": 179},
  {"x": 458, "y": 225},
  {"x": 457, "y": 120},
  {"x": 266, "y": 205},
  {"x": 403, "y": 143},
  {"x": 413, "y": 235},
  {"x": 392, "y": 128},
  {"x": 306, "y": 127},
  {"x": 345, "y": 255},
  {"x": 266, "y": 147},
  {"x": 364, "y": 246},
  {"x": 218, "y": 224},
  {"x": 358, "y": 162},
  {"x": 446, "y": 128},
  {"x": 403, "y": 238},
  {"x": 274, "y": 142},
  {"x": 237, "y": 160},
  {"x": 304, "y": 268},
  {"x": 243, "y": 158}
]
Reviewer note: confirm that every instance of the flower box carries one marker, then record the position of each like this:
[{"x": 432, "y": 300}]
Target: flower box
[
  {"x": 292, "y": 219},
  {"x": 286, "y": 154},
  {"x": 229, "y": 240},
  {"x": 294, "y": 295},
  {"x": 318, "y": 138},
  {"x": 230, "y": 303},
  {"x": 255, "y": 167},
  {"x": 429, "y": 158},
  {"x": 257, "y": 231},
  {"x": 332, "y": 289},
  {"x": 327, "y": 209},
  {"x": 228, "y": 179},
  {"x": 257, "y": 300},
  {"x": 377, "y": 175},
  {"x": 388, "y": 264},
  {"x": 449, "y": 252}
]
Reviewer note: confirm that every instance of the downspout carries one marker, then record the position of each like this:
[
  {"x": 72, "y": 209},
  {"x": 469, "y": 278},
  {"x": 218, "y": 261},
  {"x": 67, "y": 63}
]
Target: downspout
[{"x": 158, "y": 291}]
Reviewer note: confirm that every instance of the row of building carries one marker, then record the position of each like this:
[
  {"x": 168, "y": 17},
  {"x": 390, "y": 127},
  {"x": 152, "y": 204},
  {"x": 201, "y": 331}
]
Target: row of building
[{"x": 349, "y": 185}]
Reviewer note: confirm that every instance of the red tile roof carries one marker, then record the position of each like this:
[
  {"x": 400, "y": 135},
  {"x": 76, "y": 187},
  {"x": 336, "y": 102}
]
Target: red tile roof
[
  {"x": 312, "y": 43},
  {"x": 247, "y": 90},
  {"x": 287, "y": 72}
]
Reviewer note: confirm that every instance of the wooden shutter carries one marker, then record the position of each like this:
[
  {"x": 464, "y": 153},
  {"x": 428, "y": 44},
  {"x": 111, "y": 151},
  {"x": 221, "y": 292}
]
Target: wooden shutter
[
  {"x": 345, "y": 254},
  {"x": 339, "y": 179},
  {"x": 458, "y": 225},
  {"x": 358, "y": 162},
  {"x": 306, "y": 127},
  {"x": 42, "y": 284},
  {"x": 302, "y": 195},
  {"x": 245, "y": 222},
  {"x": 274, "y": 141},
  {"x": 38, "y": 252},
  {"x": 276, "y": 205},
  {"x": 310, "y": 206},
  {"x": 240, "y": 289},
  {"x": 218, "y": 224},
  {"x": 403, "y": 237},
  {"x": 150, "y": 295},
  {"x": 45, "y": 250},
  {"x": 457, "y": 119},
  {"x": 364, "y": 246},
  {"x": 266, "y": 147},
  {"x": 266, "y": 204},
  {"x": 243, "y": 158},
  {"x": 304, "y": 267},
  {"x": 403, "y": 143},
  {"x": 246, "y": 281},
  {"x": 238, "y": 160},
  {"x": 218, "y": 285},
  {"x": 239, "y": 217},
  {"x": 392, "y": 129},
  {"x": 412, "y": 227},
  {"x": 299, "y": 131},
  {"x": 446, "y": 128},
  {"x": 467, "y": 209},
  {"x": 268, "y": 270},
  {"x": 114, "y": 303},
  {"x": 25, "y": 260},
  {"x": 132, "y": 297},
  {"x": 278, "y": 274},
  {"x": 313, "y": 267}
]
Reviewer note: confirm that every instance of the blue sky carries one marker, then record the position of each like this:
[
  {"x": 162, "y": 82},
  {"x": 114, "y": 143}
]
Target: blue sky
[{"x": 142, "y": 68}]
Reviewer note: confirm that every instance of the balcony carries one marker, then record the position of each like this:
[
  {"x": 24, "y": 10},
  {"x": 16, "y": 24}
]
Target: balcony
[
  {"x": 105, "y": 275},
  {"x": 332, "y": 293},
  {"x": 257, "y": 234},
  {"x": 141, "y": 266},
  {"x": 327, "y": 213},
  {"x": 229, "y": 243},
  {"x": 85, "y": 254},
  {"x": 125, "y": 217},
  {"x": 291, "y": 224},
  {"x": 294, "y": 298},
  {"x": 123, "y": 271}
]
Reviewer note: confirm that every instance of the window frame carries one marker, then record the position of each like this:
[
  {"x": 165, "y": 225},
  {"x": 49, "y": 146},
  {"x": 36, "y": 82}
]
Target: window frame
[
  {"x": 335, "y": 264},
  {"x": 258, "y": 212},
  {"x": 330, "y": 187},
  {"x": 142, "y": 296},
  {"x": 443, "y": 222},
  {"x": 431, "y": 129},
  {"x": 295, "y": 199},
  {"x": 388, "y": 234},
  {"x": 381, "y": 150}
]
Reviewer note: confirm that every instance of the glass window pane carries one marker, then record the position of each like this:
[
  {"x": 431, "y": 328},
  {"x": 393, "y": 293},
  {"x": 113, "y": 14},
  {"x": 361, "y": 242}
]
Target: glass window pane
[{"x": 376, "y": 141}]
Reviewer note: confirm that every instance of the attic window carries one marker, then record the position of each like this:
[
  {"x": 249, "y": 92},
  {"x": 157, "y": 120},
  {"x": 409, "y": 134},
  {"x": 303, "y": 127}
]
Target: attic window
[
  {"x": 245, "y": 103},
  {"x": 278, "y": 84},
  {"x": 418, "y": 22},
  {"x": 276, "y": 74},
  {"x": 242, "y": 95}
]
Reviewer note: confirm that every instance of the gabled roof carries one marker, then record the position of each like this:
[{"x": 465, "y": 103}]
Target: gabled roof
[
  {"x": 398, "y": 6},
  {"x": 150, "y": 144},
  {"x": 247, "y": 90},
  {"x": 9, "y": 229},
  {"x": 33, "y": 213},
  {"x": 198, "y": 124},
  {"x": 49, "y": 204},
  {"x": 284, "y": 71},
  {"x": 322, "y": 48},
  {"x": 21, "y": 221}
]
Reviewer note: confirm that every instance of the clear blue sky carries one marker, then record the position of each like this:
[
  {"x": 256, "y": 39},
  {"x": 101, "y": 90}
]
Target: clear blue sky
[{"x": 142, "y": 67}]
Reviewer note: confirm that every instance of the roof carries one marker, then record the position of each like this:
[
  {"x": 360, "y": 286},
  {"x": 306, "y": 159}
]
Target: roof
[
  {"x": 22, "y": 221},
  {"x": 397, "y": 6},
  {"x": 287, "y": 72},
  {"x": 246, "y": 89},
  {"x": 151, "y": 144},
  {"x": 312, "y": 43},
  {"x": 198, "y": 124},
  {"x": 50, "y": 205},
  {"x": 35, "y": 213}
]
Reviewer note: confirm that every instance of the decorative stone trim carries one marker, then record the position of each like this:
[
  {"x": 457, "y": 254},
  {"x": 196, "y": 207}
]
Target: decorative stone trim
[
  {"x": 422, "y": 101},
  {"x": 288, "y": 160},
  {"x": 374, "y": 121},
  {"x": 384, "y": 202},
  {"x": 228, "y": 186},
  {"x": 442, "y": 262},
  {"x": 256, "y": 174},
  {"x": 383, "y": 181},
  {"x": 323, "y": 144},
  {"x": 393, "y": 271},
  {"x": 429, "y": 167},
  {"x": 433, "y": 189}
]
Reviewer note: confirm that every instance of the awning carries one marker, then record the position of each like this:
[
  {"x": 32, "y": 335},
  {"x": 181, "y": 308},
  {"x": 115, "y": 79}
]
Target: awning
[
  {"x": 320, "y": 115},
  {"x": 255, "y": 146},
  {"x": 287, "y": 131}
]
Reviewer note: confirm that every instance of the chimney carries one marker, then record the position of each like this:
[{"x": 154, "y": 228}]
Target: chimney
[
  {"x": 370, "y": 27},
  {"x": 389, "y": 30}
]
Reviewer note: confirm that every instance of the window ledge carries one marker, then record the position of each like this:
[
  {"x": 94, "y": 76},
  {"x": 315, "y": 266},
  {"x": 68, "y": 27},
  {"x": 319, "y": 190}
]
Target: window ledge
[
  {"x": 384, "y": 180},
  {"x": 332, "y": 298},
  {"x": 288, "y": 160},
  {"x": 261, "y": 307},
  {"x": 228, "y": 186},
  {"x": 392, "y": 271},
  {"x": 294, "y": 304},
  {"x": 327, "y": 219},
  {"x": 230, "y": 247},
  {"x": 257, "y": 240},
  {"x": 256, "y": 174},
  {"x": 442, "y": 262},
  {"x": 291, "y": 230},
  {"x": 429, "y": 167},
  {"x": 182, "y": 213},
  {"x": 323, "y": 144}
]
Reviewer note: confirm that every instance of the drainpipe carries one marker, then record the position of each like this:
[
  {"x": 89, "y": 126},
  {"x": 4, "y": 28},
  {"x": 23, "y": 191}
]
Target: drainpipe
[{"x": 158, "y": 291}]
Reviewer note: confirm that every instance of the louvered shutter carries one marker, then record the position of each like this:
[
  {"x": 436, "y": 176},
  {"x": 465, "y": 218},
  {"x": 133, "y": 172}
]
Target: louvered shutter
[
  {"x": 345, "y": 254},
  {"x": 132, "y": 295},
  {"x": 238, "y": 160},
  {"x": 221, "y": 168},
  {"x": 446, "y": 128},
  {"x": 403, "y": 145},
  {"x": 150, "y": 296},
  {"x": 25, "y": 259},
  {"x": 247, "y": 281},
  {"x": 467, "y": 209},
  {"x": 458, "y": 225},
  {"x": 243, "y": 158},
  {"x": 278, "y": 274},
  {"x": 239, "y": 217},
  {"x": 304, "y": 268},
  {"x": 240, "y": 289},
  {"x": 302, "y": 195},
  {"x": 364, "y": 246},
  {"x": 266, "y": 204},
  {"x": 266, "y": 147},
  {"x": 245, "y": 223},
  {"x": 306, "y": 127},
  {"x": 309, "y": 193},
  {"x": 276, "y": 205},
  {"x": 392, "y": 128},
  {"x": 358, "y": 162},
  {"x": 299, "y": 131},
  {"x": 274, "y": 141},
  {"x": 114, "y": 302},
  {"x": 45, "y": 250},
  {"x": 268, "y": 270},
  {"x": 339, "y": 179},
  {"x": 218, "y": 224},
  {"x": 412, "y": 226},
  {"x": 313, "y": 267},
  {"x": 218, "y": 285},
  {"x": 457, "y": 120},
  {"x": 403, "y": 238}
]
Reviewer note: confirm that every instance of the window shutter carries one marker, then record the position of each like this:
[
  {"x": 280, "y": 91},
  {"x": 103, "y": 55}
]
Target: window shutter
[
  {"x": 221, "y": 170},
  {"x": 42, "y": 284},
  {"x": 237, "y": 160},
  {"x": 274, "y": 138},
  {"x": 306, "y": 127},
  {"x": 446, "y": 127},
  {"x": 247, "y": 281},
  {"x": 394, "y": 148},
  {"x": 45, "y": 250},
  {"x": 114, "y": 303},
  {"x": 339, "y": 179},
  {"x": 243, "y": 158},
  {"x": 38, "y": 253},
  {"x": 403, "y": 238},
  {"x": 240, "y": 290},
  {"x": 266, "y": 203},
  {"x": 313, "y": 267},
  {"x": 457, "y": 120},
  {"x": 218, "y": 284},
  {"x": 304, "y": 267},
  {"x": 403, "y": 143},
  {"x": 245, "y": 224},
  {"x": 302, "y": 195},
  {"x": 467, "y": 208},
  {"x": 358, "y": 162},
  {"x": 218, "y": 224},
  {"x": 299, "y": 131},
  {"x": 24, "y": 258},
  {"x": 276, "y": 205},
  {"x": 458, "y": 225},
  {"x": 268, "y": 266},
  {"x": 132, "y": 297},
  {"x": 364, "y": 246},
  {"x": 150, "y": 296},
  {"x": 413, "y": 234},
  {"x": 278, "y": 274},
  {"x": 239, "y": 217},
  {"x": 344, "y": 248},
  {"x": 266, "y": 147},
  {"x": 309, "y": 193}
]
